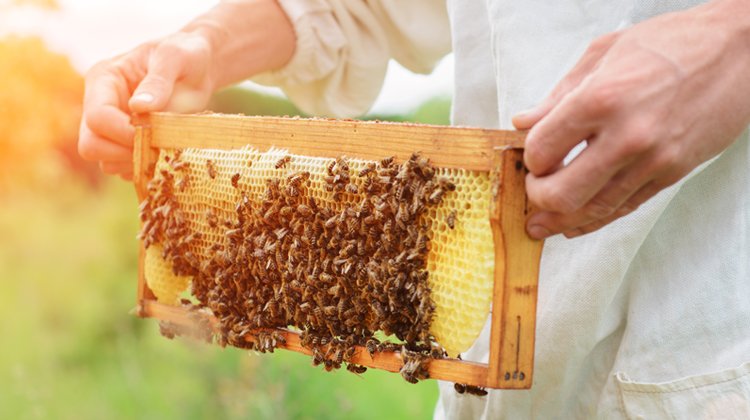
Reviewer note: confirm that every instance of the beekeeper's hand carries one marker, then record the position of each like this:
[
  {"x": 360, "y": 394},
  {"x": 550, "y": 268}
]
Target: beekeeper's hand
[
  {"x": 652, "y": 102},
  {"x": 233, "y": 41}
]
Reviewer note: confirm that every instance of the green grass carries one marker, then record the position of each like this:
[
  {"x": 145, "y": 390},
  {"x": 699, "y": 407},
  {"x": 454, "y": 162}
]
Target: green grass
[{"x": 71, "y": 350}]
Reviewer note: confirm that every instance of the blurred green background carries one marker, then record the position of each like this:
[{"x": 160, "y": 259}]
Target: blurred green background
[{"x": 70, "y": 348}]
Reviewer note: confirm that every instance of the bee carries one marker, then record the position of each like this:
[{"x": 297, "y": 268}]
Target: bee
[
  {"x": 371, "y": 346},
  {"x": 343, "y": 165},
  {"x": 451, "y": 219},
  {"x": 329, "y": 168},
  {"x": 403, "y": 173},
  {"x": 368, "y": 185},
  {"x": 270, "y": 215},
  {"x": 348, "y": 250},
  {"x": 352, "y": 189},
  {"x": 211, "y": 218},
  {"x": 447, "y": 184},
  {"x": 183, "y": 183},
  {"x": 282, "y": 162},
  {"x": 475, "y": 390},
  {"x": 235, "y": 180},
  {"x": 313, "y": 203},
  {"x": 385, "y": 163},
  {"x": 409, "y": 377},
  {"x": 211, "y": 168},
  {"x": 304, "y": 211},
  {"x": 424, "y": 169},
  {"x": 279, "y": 337},
  {"x": 367, "y": 170},
  {"x": 350, "y": 351},
  {"x": 436, "y": 196},
  {"x": 286, "y": 211},
  {"x": 333, "y": 290},
  {"x": 318, "y": 357},
  {"x": 298, "y": 178},
  {"x": 178, "y": 165}
]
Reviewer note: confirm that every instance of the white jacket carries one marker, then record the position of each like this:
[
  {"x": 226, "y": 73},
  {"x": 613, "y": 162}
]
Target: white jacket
[{"x": 648, "y": 317}]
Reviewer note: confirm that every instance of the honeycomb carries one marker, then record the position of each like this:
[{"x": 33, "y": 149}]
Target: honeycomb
[
  {"x": 460, "y": 261},
  {"x": 166, "y": 285}
]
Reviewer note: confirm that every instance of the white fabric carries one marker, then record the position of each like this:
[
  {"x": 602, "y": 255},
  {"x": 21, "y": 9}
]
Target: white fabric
[
  {"x": 648, "y": 317},
  {"x": 343, "y": 48}
]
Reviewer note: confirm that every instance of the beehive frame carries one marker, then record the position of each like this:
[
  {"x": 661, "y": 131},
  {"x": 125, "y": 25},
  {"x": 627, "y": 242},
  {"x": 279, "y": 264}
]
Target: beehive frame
[{"x": 513, "y": 317}]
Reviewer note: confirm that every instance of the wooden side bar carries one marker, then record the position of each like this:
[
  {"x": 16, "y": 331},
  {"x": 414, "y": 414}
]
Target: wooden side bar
[
  {"x": 517, "y": 259},
  {"x": 143, "y": 159},
  {"x": 450, "y": 147}
]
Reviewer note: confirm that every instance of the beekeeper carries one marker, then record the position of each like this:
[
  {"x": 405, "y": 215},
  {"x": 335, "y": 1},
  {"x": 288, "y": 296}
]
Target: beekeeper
[{"x": 637, "y": 113}]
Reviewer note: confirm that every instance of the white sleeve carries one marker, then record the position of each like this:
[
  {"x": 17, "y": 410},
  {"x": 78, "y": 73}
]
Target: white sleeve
[{"x": 343, "y": 48}]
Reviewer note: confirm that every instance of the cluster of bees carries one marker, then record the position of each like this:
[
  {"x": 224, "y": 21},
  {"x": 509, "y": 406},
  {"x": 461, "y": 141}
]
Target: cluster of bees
[
  {"x": 166, "y": 224},
  {"x": 336, "y": 274}
]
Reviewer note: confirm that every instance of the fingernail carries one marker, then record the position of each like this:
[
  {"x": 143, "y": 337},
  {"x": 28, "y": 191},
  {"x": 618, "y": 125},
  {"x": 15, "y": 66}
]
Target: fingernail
[
  {"x": 143, "y": 97},
  {"x": 538, "y": 231}
]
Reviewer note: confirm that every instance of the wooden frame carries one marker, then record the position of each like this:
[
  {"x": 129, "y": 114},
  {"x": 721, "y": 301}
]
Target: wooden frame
[{"x": 499, "y": 152}]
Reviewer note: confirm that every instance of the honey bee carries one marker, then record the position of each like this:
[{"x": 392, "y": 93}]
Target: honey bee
[
  {"x": 367, "y": 170},
  {"x": 304, "y": 210},
  {"x": 211, "y": 168},
  {"x": 282, "y": 162},
  {"x": 436, "y": 196},
  {"x": 371, "y": 346},
  {"x": 329, "y": 168},
  {"x": 179, "y": 165},
  {"x": 447, "y": 184},
  {"x": 286, "y": 211},
  {"x": 183, "y": 183},
  {"x": 343, "y": 165},
  {"x": 409, "y": 377},
  {"x": 475, "y": 390},
  {"x": 386, "y": 162},
  {"x": 211, "y": 218},
  {"x": 352, "y": 189},
  {"x": 318, "y": 357},
  {"x": 451, "y": 219},
  {"x": 298, "y": 178},
  {"x": 235, "y": 180},
  {"x": 437, "y": 352},
  {"x": 368, "y": 185}
]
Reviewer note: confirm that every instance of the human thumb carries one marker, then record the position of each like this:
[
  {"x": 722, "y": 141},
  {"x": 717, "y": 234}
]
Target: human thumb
[
  {"x": 152, "y": 94},
  {"x": 154, "y": 91}
]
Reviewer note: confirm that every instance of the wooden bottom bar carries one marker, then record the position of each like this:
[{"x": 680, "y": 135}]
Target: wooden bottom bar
[{"x": 453, "y": 370}]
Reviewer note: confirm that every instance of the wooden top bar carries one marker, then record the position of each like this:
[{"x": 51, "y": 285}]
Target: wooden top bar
[{"x": 446, "y": 146}]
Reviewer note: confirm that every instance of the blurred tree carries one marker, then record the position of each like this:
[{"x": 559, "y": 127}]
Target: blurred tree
[{"x": 40, "y": 109}]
